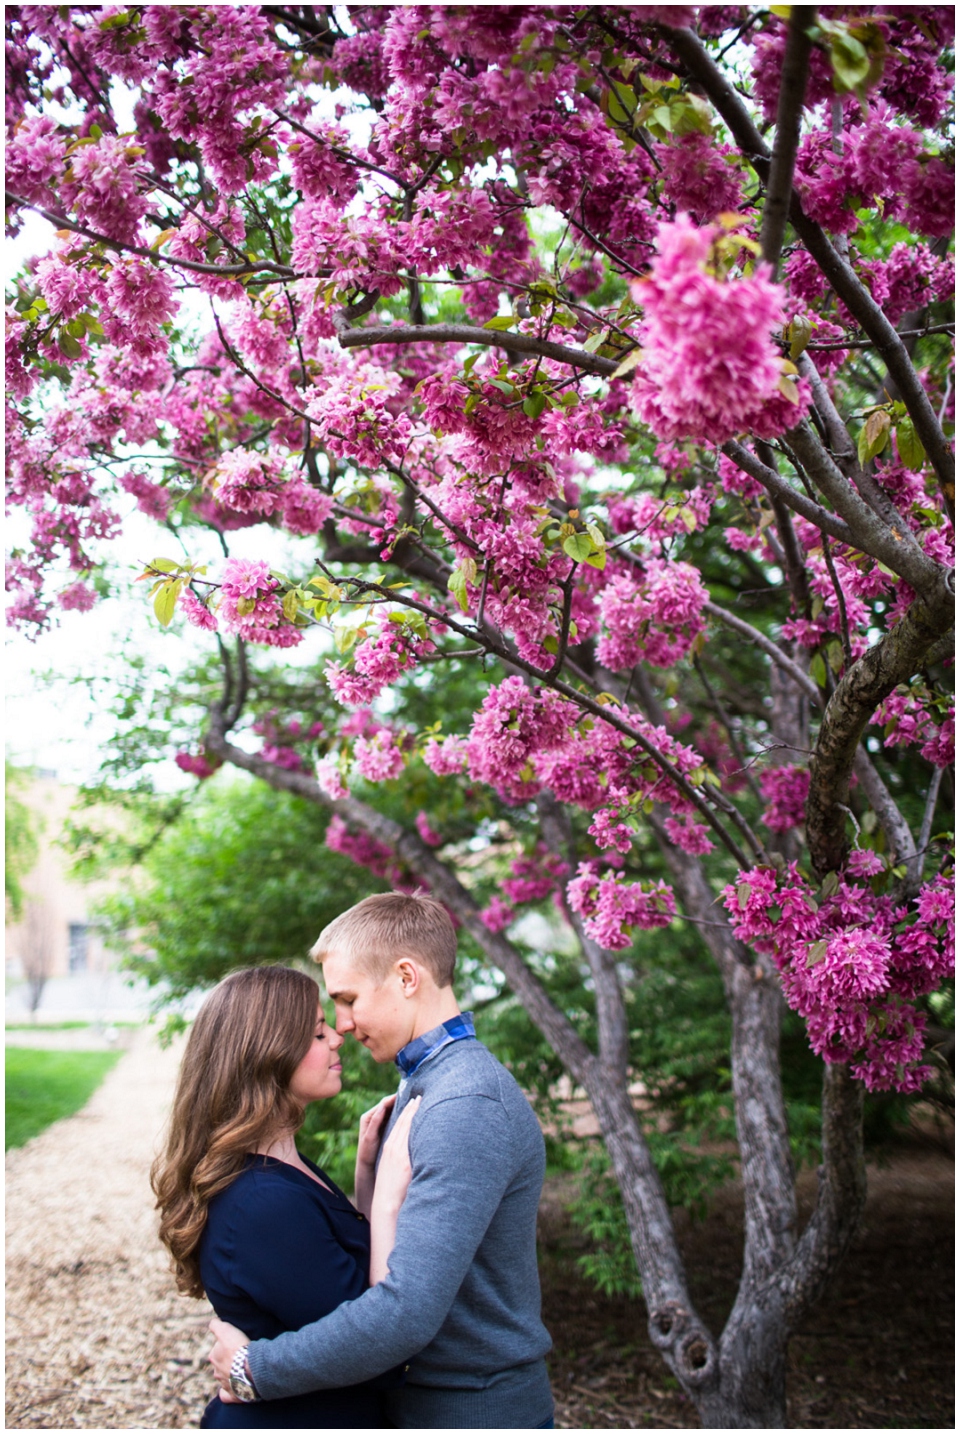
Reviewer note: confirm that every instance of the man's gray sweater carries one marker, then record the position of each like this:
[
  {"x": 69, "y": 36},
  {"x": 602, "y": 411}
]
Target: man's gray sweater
[{"x": 461, "y": 1303}]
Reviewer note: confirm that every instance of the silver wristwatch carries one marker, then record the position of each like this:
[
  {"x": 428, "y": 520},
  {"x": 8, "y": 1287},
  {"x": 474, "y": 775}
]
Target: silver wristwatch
[{"x": 241, "y": 1385}]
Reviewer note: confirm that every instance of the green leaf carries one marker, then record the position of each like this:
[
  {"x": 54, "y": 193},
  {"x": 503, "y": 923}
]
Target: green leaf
[
  {"x": 874, "y": 435},
  {"x": 534, "y": 404},
  {"x": 503, "y": 386},
  {"x": 597, "y": 559},
  {"x": 69, "y": 346},
  {"x": 816, "y": 952},
  {"x": 465, "y": 572},
  {"x": 818, "y": 670},
  {"x": 744, "y": 892},
  {"x": 830, "y": 884},
  {"x": 595, "y": 341},
  {"x": 502, "y": 321},
  {"x": 579, "y": 547},
  {"x": 165, "y": 602},
  {"x": 627, "y": 365},
  {"x": 162, "y": 565},
  {"x": 909, "y": 446},
  {"x": 799, "y": 333},
  {"x": 291, "y": 604}
]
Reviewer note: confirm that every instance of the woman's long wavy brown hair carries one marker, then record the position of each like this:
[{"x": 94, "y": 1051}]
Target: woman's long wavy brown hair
[{"x": 250, "y": 1034}]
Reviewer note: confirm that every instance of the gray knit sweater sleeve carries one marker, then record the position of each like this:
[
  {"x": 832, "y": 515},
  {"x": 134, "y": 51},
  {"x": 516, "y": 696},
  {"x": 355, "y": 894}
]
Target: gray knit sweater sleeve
[{"x": 463, "y": 1159}]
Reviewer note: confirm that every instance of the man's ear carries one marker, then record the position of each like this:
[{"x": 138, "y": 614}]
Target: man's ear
[{"x": 410, "y": 975}]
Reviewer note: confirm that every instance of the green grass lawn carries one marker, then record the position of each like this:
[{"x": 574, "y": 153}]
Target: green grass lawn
[{"x": 44, "y": 1086}]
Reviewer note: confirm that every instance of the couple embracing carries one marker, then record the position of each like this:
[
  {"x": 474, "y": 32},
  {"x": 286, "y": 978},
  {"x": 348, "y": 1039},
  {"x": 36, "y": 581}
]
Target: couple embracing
[{"x": 417, "y": 1305}]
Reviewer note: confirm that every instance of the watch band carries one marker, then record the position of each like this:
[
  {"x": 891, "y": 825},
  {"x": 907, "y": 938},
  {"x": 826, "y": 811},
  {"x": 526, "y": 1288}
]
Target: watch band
[{"x": 241, "y": 1384}]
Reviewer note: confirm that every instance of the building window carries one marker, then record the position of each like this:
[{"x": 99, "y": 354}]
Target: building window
[{"x": 78, "y": 946}]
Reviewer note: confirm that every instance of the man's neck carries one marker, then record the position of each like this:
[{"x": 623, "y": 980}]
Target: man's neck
[{"x": 432, "y": 1014}]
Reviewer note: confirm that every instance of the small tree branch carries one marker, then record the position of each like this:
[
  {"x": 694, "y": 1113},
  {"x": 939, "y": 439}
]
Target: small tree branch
[
  {"x": 779, "y": 488},
  {"x": 793, "y": 88},
  {"x": 225, "y": 271},
  {"x": 759, "y": 639}
]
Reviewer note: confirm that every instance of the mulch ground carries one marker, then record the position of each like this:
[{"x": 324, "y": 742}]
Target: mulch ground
[{"x": 878, "y": 1352}]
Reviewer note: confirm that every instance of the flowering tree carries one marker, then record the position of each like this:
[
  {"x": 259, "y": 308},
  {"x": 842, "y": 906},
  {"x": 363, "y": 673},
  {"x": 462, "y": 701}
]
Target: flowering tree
[{"x": 606, "y": 348}]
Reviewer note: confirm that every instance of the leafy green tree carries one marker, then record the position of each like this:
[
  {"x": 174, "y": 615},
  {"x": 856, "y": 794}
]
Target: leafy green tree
[{"x": 19, "y": 840}]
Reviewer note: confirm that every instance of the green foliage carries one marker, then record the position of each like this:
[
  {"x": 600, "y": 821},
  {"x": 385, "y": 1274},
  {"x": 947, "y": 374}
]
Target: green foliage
[
  {"x": 44, "y": 1086},
  {"x": 242, "y": 878},
  {"x": 19, "y": 839}
]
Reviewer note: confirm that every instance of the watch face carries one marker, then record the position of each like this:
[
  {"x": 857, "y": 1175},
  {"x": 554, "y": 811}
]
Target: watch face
[{"x": 242, "y": 1389}]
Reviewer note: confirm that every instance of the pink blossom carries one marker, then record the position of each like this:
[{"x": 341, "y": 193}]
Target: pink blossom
[
  {"x": 378, "y": 758},
  {"x": 359, "y": 847},
  {"x": 656, "y": 617},
  {"x": 611, "y": 907},
  {"x": 426, "y": 831},
  {"x": 497, "y": 916},
  {"x": 78, "y": 597},
  {"x": 152, "y": 499},
  {"x": 710, "y": 368},
  {"x": 697, "y": 177},
  {"x": 692, "y": 837},
  {"x": 196, "y": 611},
  {"x": 330, "y": 780},
  {"x": 446, "y": 758},
  {"x": 785, "y": 788},
  {"x": 142, "y": 294},
  {"x": 197, "y": 764}
]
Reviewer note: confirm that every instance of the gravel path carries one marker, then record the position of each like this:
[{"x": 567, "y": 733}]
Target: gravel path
[{"x": 97, "y": 1336}]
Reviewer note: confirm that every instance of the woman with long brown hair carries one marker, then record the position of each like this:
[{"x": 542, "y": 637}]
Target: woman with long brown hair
[{"x": 250, "y": 1222}]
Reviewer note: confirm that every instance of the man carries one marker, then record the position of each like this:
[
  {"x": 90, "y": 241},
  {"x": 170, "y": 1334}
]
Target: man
[{"x": 461, "y": 1301}]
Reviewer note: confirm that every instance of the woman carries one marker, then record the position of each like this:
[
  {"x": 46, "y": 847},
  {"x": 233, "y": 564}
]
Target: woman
[{"x": 252, "y": 1224}]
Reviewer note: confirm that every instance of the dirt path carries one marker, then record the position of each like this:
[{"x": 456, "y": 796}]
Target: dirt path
[{"x": 97, "y": 1337}]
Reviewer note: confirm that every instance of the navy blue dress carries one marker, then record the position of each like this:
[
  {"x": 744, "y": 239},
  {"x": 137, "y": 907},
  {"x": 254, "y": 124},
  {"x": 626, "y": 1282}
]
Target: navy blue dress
[{"x": 279, "y": 1252}]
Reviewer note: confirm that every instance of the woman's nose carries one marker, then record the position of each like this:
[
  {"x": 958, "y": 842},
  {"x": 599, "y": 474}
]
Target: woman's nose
[{"x": 334, "y": 1039}]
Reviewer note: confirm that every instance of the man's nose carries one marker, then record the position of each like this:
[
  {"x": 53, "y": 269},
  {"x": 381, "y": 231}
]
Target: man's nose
[{"x": 344, "y": 1022}]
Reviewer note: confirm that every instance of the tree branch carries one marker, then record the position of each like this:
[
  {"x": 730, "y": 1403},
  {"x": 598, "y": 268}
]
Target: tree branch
[
  {"x": 752, "y": 634},
  {"x": 779, "y": 488},
  {"x": 225, "y": 271},
  {"x": 841, "y": 1195},
  {"x": 898, "y": 655},
  {"x": 471, "y": 334},
  {"x": 793, "y": 88}
]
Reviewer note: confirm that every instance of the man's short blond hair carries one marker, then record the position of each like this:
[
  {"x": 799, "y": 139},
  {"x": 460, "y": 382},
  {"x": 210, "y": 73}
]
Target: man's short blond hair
[{"x": 378, "y": 931}]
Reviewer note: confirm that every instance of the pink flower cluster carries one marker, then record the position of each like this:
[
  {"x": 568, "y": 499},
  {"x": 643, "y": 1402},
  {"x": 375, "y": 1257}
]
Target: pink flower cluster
[
  {"x": 655, "y": 618},
  {"x": 710, "y": 368},
  {"x": 910, "y": 719},
  {"x": 198, "y": 764},
  {"x": 250, "y": 607},
  {"x": 852, "y": 962},
  {"x": 785, "y": 789},
  {"x": 379, "y": 758},
  {"x": 249, "y": 482},
  {"x": 533, "y": 877},
  {"x": 377, "y": 663},
  {"x": 700, "y": 177},
  {"x": 612, "y": 908},
  {"x": 362, "y": 849}
]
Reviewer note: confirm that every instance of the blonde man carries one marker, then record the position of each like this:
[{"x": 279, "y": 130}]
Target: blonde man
[{"x": 461, "y": 1302}]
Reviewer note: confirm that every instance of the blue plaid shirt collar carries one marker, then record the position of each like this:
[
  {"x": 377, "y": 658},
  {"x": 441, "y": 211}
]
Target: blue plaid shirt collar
[{"x": 413, "y": 1055}]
